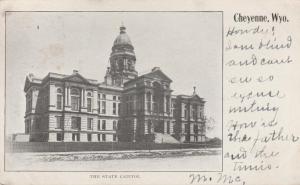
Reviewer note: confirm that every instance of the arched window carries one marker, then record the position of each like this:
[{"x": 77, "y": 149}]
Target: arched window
[
  {"x": 186, "y": 112},
  {"x": 89, "y": 94},
  {"x": 89, "y": 101},
  {"x": 75, "y": 99},
  {"x": 59, "y": 90},
  {"x": 59, "y": 99},
  {"x": 74, "y": 91}
]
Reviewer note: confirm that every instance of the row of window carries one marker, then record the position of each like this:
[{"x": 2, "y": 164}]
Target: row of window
[
  {"x": 157, "y": 103},
  {"x": 195, "y": 128},
  {"x": 166, "y": 86},
  {"x": 75, "y": 104},
  {"x": 104, "y": 97},
  {"x": 75, "y": 91},
  {"x": 76, "y": 137},
  {"x": 76, "y": 123},
  {"x": 194, "y": 113}
]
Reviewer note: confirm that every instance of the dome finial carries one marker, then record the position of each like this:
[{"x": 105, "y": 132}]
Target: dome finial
[
  {"x": 122, "y": 28},
  {"x": 194, "y": 90}
]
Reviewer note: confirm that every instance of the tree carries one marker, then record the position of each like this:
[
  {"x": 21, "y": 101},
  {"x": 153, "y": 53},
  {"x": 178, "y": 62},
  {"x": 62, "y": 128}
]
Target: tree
[{"x": 210, "y": 124}]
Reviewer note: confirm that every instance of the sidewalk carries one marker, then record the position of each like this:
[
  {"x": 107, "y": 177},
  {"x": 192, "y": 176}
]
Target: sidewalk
[{"x": 127, "y": 151}]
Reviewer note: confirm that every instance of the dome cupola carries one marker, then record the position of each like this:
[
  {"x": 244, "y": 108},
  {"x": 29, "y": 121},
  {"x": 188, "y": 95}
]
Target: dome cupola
[
  {"x": 122, "y": 39},
  {"x": 122, "y": 60}
]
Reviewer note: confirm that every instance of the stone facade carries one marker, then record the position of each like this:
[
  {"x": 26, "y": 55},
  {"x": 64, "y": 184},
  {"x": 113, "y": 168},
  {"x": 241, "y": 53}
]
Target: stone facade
[{"x": 125, "y": 107}]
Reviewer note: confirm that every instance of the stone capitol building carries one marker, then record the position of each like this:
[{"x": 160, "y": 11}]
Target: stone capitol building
[{"x": 125, "y": 107}]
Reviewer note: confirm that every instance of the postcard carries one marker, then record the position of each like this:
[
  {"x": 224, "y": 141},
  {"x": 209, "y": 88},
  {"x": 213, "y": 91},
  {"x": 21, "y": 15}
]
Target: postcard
[{"x": 126, "y": 92}]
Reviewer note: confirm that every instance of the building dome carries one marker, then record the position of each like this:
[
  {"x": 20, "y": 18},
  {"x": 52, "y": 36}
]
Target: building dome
[{"x": 123, "y": 38}]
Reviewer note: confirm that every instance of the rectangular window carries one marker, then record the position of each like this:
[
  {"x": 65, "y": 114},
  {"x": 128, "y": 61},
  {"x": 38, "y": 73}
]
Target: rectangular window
[
  {"x": 201, "y": 115},
  {"x": 59, "y": 101},
  {"x": 119, "y": 108},
  {"x": 149, "y": 126},
  {"x": 89, "y": 137},
  {"x": 99, "y": 138},
  {"x": 168, "y": 127},
  {"x": 196, "y": 138},
  {"x": 103, "y": 124},
  {"x": 186, "y": 128},
  {"x": 74, "y": 103},
  {"x": 103, "y": 96},
  {"x": 114, "y": 125},
  {"x": 194, "y": 112},
  {"x": 59, "y": 122},
  {"x": 59, "y": 137},
  {"x": 114, "y": 108},
  {"x": 187, "y": 138},
  {"x": 99, "y": 125},
  {"x": 114, "y": 137},
  {"x": 89, "y": 123},
  {"x": 76, "y": 123},
  {"x": 103, "y": 107},
  {"x": 114, "y": 97},
  {"x": 196, "y": 129},
  {"x": 98, "y": 107},
  {"x": 103, "y": 137},
  {"x": 75, "y": 137},
  {"x": 89, "y": 104}
]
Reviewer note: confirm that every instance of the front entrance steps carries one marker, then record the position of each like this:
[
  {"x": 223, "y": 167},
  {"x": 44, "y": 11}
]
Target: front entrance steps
[{"x": 164, "y": 138}]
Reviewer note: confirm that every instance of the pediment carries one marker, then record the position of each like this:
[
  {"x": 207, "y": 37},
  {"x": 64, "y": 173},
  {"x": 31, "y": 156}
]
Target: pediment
[
  {"x": 158, "y": 74},
  {"x": 196, "y": 98},
  {"x": 76, "y": 78}
]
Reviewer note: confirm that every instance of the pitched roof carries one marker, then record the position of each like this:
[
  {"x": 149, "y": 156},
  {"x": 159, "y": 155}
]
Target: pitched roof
[
  {"x": 75, "y": 77},
  {"x": 156, "y": 73},
  {"x": 194, "y": 96}
]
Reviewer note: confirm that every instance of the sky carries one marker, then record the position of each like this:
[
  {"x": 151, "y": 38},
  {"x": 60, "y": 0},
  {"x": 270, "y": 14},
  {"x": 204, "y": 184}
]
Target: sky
[{"x": 187, "y": 46}]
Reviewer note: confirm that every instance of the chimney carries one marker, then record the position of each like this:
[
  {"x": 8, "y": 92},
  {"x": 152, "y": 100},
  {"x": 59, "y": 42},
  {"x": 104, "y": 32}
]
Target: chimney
[{"x": 75, "y": 71}]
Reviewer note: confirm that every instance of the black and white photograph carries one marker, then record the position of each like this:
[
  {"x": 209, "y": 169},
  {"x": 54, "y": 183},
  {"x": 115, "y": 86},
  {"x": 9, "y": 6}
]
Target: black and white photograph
[{"x": 114, "y": 91}]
